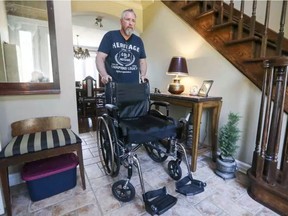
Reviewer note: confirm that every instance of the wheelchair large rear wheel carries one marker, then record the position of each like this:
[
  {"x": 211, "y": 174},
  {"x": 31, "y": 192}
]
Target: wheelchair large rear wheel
[
  {"x": 157, "y": 153},
  {"x": 107, "y": 146},
  {"x": 122, "y": 191}
]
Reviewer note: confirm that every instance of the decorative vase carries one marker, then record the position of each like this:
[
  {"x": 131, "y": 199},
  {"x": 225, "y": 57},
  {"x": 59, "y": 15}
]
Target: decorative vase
[{"x": 225, "y": 168}]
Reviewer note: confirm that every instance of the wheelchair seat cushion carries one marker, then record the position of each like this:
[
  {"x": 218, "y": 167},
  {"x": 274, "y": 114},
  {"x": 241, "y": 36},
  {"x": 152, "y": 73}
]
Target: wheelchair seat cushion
[{"x": 147, "y": 128}]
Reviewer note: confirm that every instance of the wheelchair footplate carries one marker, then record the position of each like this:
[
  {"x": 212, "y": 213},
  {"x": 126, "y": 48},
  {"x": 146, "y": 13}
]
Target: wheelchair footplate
[
  {"x": 158, "y": 201},
  {"x": 189, "y": 186}
]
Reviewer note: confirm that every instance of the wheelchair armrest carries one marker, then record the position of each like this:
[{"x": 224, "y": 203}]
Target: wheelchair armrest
[
  {"x": 162, "y": 104},
  {"x": 111, "y": 107},
  {"x": 112, "y": 110}
]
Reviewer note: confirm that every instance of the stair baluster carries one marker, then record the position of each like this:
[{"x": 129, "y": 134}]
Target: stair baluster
[
  {"x": 220, "y": 13},
  {"x": 281, "y": 30},
  {"x": 258, "y": 154},
  {"x": 240, "y": 23},
  {"x": 284, "y": 165},
  {"x": 268, "y": 106},
  {"x": 253, "y": 19},
  {"x": 231, "y": 9},
  {"x": 266, "y": 24}
]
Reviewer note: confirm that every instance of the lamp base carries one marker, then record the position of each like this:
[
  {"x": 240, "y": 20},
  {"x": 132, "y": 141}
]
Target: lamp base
[{"x": 175, "y": 88}]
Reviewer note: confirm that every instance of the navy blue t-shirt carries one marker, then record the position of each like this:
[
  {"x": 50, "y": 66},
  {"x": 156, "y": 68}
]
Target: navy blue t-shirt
[{"x": 122, "y": 62}]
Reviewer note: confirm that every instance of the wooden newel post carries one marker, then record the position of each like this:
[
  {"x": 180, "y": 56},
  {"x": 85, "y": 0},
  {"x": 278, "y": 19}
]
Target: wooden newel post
[
  {"x": 271, "y": 154},
  {"x": 269, "y": 183}
]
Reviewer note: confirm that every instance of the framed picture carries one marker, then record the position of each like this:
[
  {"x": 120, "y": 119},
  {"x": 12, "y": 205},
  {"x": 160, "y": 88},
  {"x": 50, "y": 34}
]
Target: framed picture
[{"x": 205, "y": 88}]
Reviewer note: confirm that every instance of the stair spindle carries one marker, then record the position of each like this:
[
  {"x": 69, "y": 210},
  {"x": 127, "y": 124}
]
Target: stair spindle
[
  {"x": 220, "y": 13},
  {"x": 241, "y": 20},
  {"x": 265, "y": 35},
  {"x": 204, "y": 8},
  {"x": 256, "y": 154},
  {"x": 231, "y": 9},
  {"x": 283, "y": 69},
  {"x": 260, "y": 165},
  {"x": 281, "y": 30},
  {"x": 284, "y": 165},
  {"x": 253, "y": 19}
]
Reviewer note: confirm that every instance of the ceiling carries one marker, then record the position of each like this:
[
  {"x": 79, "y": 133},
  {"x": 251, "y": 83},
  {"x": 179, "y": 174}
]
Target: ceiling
[{"x": 91, "y": 34}]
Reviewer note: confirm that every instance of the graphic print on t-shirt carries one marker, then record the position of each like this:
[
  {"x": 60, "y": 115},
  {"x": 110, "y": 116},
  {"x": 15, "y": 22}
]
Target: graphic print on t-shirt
[{"x": 125, "y": 57}]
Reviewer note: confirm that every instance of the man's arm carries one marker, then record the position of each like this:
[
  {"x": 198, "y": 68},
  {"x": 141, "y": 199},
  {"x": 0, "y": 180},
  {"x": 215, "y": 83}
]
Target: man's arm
[
  {"x": 100, "y": 64},
  {"x": 143, "y": 69}
]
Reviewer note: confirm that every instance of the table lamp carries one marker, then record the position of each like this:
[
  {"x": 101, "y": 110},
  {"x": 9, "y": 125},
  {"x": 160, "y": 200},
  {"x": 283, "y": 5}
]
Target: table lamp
[{"x": 178, "y": 67}]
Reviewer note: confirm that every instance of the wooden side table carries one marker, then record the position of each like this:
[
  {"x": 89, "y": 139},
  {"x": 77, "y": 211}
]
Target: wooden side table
[{"x": 197, "y": 104}]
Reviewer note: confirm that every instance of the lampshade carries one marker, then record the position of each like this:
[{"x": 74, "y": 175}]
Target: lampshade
[{"x": 178, "y": 67}]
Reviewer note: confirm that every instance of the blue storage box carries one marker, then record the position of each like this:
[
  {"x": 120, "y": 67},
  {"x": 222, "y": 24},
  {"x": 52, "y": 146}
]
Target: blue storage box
[{"x": 48, "y": 177}]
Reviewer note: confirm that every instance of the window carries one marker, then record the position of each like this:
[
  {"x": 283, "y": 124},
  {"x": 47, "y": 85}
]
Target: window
[
  {"x": 86, "y": 67},
  {"x": 32, "y": 38},
  {"x": 26, "y": 59}
]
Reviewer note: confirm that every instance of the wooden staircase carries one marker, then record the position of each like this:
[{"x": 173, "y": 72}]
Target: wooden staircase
[
  {"x": 231, "y": 35},
  {"x": 262, "y": 56}
]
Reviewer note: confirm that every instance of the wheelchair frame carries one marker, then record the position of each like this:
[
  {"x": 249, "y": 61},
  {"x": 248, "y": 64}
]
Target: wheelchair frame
[{"x": 114, "y": 152}]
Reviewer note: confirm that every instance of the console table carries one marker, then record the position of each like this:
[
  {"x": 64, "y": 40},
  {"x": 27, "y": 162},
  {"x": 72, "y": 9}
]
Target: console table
[{"x": 197, "y": 104}]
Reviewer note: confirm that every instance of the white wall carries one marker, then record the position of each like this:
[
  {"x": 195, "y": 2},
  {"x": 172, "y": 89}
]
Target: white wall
[
  {"x": 165, "y": 36},
  {"x": 14, "y": 108}
]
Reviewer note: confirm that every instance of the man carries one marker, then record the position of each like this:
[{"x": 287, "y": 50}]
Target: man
[{"x": 121, "y": 55}]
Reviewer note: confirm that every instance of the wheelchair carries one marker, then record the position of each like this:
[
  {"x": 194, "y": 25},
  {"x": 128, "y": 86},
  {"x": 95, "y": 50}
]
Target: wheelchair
[{"x": 130, "y": 123}]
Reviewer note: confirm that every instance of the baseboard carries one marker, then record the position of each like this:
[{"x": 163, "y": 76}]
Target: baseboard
[{"x": 242, "y": 167}]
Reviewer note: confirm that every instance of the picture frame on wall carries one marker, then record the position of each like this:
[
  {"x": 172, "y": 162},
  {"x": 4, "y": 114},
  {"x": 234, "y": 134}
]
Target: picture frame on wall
[{"x": 205, "y": 88}]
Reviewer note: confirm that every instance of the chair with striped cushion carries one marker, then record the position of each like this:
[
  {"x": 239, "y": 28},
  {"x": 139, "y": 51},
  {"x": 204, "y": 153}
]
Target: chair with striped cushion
[{"x": 35, "y": 139}]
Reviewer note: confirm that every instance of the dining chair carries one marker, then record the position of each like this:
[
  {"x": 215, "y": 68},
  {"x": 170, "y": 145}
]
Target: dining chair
[{"x": 88, "y": 99}]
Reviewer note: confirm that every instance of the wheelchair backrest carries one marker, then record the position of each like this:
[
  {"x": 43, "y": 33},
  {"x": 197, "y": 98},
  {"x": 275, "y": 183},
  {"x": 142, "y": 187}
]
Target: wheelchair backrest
[{"x": 132, "y": 100}]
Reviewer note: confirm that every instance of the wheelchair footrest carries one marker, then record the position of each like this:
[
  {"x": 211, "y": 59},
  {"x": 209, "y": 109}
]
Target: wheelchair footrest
[
  {"x": 189, "y": 186},
  {"x": 158, "y": 201}
]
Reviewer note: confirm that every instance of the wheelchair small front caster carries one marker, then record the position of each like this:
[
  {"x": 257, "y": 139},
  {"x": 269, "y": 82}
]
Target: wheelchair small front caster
[
  {"x": 174, "y": 170},
  {"x": 123, "y": 193}
]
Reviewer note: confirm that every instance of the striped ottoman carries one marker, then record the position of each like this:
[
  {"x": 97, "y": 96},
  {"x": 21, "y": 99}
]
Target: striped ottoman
[
  {"x": 51, "y": 140},
  {"x": 39, "y": 141}
]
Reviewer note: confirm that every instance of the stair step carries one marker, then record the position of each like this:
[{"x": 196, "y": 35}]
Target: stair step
[
  {"x": 223, "y": 25},
  {"x": 226, "y": 30},
  {"x": 204, "y": 14},
  {"x": 243, "y": 40}
]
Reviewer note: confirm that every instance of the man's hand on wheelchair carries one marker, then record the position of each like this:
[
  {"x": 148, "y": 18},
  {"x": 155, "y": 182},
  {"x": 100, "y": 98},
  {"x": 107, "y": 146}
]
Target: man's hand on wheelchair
[
  {"x": 144, "y": 79},
  {"x": 105, "y": 79}
]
